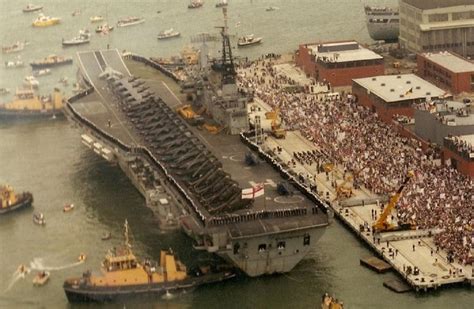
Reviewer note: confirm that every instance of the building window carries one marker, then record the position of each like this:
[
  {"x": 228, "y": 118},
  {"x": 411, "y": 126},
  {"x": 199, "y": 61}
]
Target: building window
[
  {"x": 236, "y": 248},
  {"x": 306, "y": 240},
  {"x": 262, "y": 247},
  {"x": 281, "y": 245}
]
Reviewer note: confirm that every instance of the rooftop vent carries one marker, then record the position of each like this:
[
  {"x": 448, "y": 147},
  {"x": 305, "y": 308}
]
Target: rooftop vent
[
  {"x": 408, "y": 81},
  {"x": 402, "y": 96},
  {"x": 374, "y": 78},
  {"x": 418, "y": 87},
  {"x": 392, "y": 90},
  {"x": 382, "y": 84},
  {"x": 399, "y": 76},
  {"x": 428, "y": 93}
]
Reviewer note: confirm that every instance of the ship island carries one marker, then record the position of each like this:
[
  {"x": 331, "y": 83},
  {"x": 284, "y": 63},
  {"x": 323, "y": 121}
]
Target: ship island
[{"x": 209, "y": 177}]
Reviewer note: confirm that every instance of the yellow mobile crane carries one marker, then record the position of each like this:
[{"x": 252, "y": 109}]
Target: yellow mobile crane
[{"x": 382, "y": 225}]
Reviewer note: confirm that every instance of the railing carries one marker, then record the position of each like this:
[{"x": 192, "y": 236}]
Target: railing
[{"x": 465, "y": 151}]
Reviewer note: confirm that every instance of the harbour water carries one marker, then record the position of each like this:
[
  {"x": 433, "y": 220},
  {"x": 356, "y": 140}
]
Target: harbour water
[{"x": 48, "y": 159}]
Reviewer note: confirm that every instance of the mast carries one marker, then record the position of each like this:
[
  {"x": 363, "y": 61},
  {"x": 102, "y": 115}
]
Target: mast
[
  {"x": 228, "y": 72},
  {"x": 127, "y": 240}
]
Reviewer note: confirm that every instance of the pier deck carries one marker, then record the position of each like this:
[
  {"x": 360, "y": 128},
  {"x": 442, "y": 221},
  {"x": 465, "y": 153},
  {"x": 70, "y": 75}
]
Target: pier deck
[{"x": 403, "y": 250}]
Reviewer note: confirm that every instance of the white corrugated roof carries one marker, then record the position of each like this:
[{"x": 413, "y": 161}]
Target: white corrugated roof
[
  {"x": 345, "y": 55},
  {"x": 395, "y": 88},
  {"x": 450, "y": 61}
]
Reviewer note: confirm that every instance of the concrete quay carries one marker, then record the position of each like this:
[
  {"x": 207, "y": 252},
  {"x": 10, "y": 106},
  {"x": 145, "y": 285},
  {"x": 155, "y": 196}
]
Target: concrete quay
[{"x": 412, "y": 254}]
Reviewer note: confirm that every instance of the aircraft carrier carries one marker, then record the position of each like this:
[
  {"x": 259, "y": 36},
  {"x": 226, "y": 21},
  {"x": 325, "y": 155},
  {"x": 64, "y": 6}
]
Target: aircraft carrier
[{"x": 192, "y": 178}]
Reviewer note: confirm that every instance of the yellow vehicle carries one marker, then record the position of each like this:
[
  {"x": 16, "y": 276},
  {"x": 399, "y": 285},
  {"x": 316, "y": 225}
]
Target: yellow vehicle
[
  {"x": 381, "y": 225},
  {"x": 277, "y": 130},
  {"x": 187, "y": 112}
]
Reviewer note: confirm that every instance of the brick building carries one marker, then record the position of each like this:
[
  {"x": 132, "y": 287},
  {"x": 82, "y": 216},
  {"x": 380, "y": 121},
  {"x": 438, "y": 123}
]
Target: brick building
[
  {"x": 447, "y": 70},
  {"x": 459, "y": 152},
  {"x": 338, "y": 62},
  {"x": 390, "y": 95}
]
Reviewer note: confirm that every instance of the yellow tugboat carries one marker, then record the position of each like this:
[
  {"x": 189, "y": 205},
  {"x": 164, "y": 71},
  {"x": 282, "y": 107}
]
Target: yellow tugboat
[
  {"x": 10, "y": 201},
  {"x": 123, "y": 276},
  {"x": 45, "y": 21},
  {"x": 27, "y": 105}
]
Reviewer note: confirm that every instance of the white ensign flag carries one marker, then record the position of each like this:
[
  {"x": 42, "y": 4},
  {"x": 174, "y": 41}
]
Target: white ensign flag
[{"x": 253, "y": 192}]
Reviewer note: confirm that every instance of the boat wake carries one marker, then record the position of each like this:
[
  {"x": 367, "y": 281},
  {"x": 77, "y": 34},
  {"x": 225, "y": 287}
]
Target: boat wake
[
  {"x": 37, "y": 264},
  {"x": 168, "y": 295},
  {"x": 17, "y": 275}
]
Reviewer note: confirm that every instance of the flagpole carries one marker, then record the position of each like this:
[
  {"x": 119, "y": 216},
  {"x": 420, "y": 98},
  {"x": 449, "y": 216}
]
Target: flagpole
[{"x": 264, "y": 199}]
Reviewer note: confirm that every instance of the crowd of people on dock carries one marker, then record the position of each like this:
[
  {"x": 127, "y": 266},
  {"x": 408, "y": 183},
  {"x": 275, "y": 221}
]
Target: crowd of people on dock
[{"x": 355, "y": 139}]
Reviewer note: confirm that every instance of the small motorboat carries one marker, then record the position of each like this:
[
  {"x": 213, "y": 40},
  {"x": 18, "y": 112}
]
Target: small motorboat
[
  {"x": 31, "y": 81},
  {"x": 42, "y": 72},
  {"x": 41, "y": 278},
  {"x": 104, "y": 28},
  {"x": 167, "y": 34},
  {"x": 130, "y": 21},
  {"x": 76, "y": 13},
  {"x": 39, "y": 219},
  {"x": 106, "y": 236},
  {"x": 14, "y": 64},
  {"x": 84, "y": 37},
  {"x": 248, "y": 40},
  {"x": 22, "y": 270},
  {"x": 16, "y": 47},
  {"x": 195, "y": 4},
  {"x": 82, "y": 257},
  {"x": 96, "y": 19},
  {"x": 46, "y": 21},
  {"x": 68, "y": 207},
  {"x": 32, "y": 8},
  {"x": 221, "y": 3}
]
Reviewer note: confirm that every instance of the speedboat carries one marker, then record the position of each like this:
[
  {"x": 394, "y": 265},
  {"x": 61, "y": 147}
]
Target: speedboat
[
  {"x": 14, "y": 64},
  {"x": 271, "y": 8},
  {"x": 39, "y": 219},
  {"x": 248, "y": 40},
  {"x": 195, "y": 4},
  {"x": 41, "y": 278},
  {"x": 45, "y": 21},
  {"x": 42, "y": 72},
  {"x": 166, "y": 34},
  {"x": 31, "y": 81},
  {"x": 76, "y": 13},
  {"x": 96, "y": 19},
  {"x": 32, "y": 8},
  {"x": 104, "y": 28},
  {"x": 68, "y": 207},
  {"x": 84, "y": 37},
  {"x": 130, "y": 21}
]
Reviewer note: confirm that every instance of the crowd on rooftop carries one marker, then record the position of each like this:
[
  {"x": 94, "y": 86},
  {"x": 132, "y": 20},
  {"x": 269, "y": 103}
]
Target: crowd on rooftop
[{"x": 353, "y": 137}]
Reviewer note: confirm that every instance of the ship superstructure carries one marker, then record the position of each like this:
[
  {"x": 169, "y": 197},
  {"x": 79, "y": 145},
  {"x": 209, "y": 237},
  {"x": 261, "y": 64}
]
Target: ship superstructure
[{"x": 383, "y": 23}]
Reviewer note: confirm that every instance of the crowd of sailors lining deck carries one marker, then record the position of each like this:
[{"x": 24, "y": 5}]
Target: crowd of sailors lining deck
[{"x": 353, "y": 137}]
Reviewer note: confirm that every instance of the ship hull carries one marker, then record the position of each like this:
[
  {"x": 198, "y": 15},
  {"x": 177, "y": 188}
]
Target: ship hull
[
  {"x": 27, "y": 115},
  {"x": 273, "y": 260},
  {"x": 27, "y": 201},
  {"x": 78, "y": 294},
  {"x": 383, "y": 31},
  {"x": 37, "y": 66}
]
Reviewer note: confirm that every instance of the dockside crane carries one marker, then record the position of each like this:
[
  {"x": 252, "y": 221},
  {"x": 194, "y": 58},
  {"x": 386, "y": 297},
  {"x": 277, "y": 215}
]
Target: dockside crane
[{"x": 381, "y": 225}]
